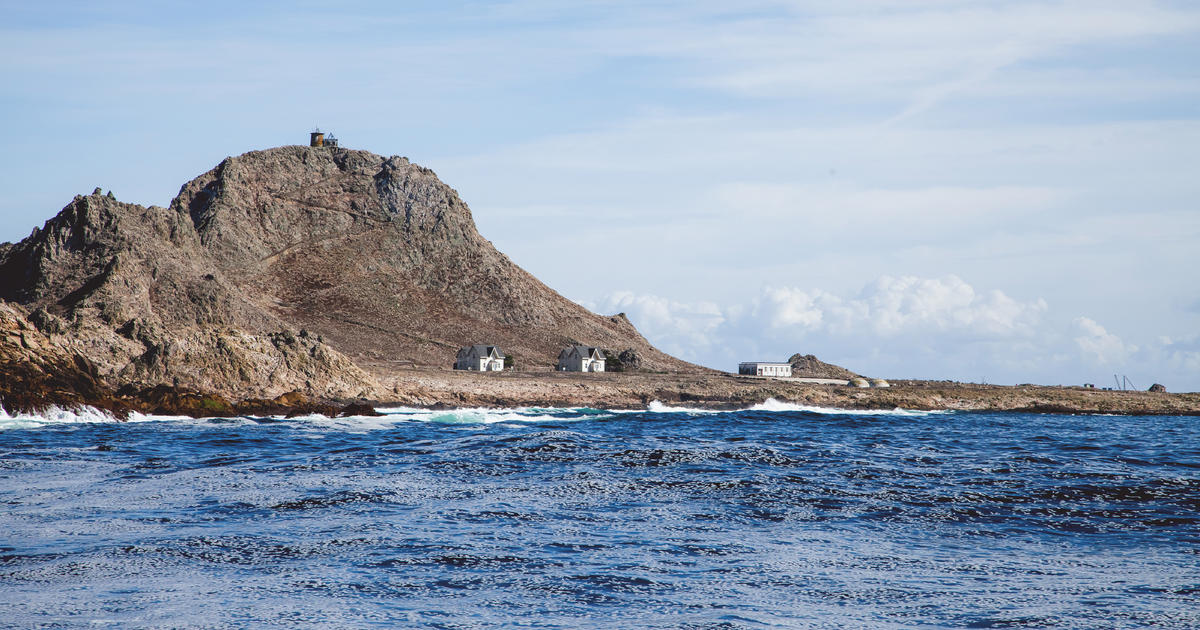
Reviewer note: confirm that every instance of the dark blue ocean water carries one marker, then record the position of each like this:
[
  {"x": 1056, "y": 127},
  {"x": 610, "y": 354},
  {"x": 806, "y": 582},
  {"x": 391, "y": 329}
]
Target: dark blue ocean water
[{"x": 786, "y": 518}]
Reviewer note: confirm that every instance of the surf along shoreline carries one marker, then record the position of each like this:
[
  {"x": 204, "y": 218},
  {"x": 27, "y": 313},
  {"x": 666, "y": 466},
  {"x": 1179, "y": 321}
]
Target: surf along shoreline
[{"x": 446, "y": 389}]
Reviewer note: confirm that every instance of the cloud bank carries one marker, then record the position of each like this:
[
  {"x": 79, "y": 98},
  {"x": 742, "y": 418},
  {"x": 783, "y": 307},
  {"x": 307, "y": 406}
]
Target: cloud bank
[{"x": 909, "y": 327}]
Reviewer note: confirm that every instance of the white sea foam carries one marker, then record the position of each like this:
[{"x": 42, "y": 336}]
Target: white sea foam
[
  {"x": 771, "y": 404},
  {"x": 461, "y": 416},
  {"x": 656, "y": 406},
  {"x": 485, "y": 415},
  {"x": 54, "y": 415},
  {"x": 776, "y": 406}
]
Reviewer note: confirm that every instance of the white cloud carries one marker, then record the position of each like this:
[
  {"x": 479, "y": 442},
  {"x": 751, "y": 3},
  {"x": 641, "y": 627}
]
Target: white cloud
[
  {"x": 907, "y": 326},
  {"x": 1099, "y": 345},
  {"x": 893, "y": 315},
  {"x": 690, "y": 328},
  {"x": 891, "y": 308}
]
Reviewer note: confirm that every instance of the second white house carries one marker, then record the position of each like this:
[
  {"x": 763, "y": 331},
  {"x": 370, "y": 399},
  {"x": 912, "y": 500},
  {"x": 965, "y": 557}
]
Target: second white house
[
  {"x": 480, "y": 357},
  {"x": 581, "y": 359}
]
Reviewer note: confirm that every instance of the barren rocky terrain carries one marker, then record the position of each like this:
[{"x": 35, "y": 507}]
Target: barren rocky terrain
[
  {"x": 717, "y": 390},
  {"x": 313, "y": 269},
  {"x": 300, "y": 279}
]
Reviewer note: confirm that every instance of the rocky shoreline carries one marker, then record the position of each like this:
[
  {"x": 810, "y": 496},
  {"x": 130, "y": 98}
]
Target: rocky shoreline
[
  {"x": 300, "y": 280},
  {"x": 717, "y": 390},
  {"x": 32, "y": 391}
]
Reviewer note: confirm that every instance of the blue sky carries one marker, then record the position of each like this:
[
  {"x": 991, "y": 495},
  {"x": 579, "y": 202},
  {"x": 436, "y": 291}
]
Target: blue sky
[{"x": 1000, "y": 191}]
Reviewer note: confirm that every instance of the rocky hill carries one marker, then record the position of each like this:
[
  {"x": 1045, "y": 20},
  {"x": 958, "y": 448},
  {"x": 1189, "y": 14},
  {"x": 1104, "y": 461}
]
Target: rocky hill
[
  {"x": 319, "y": 269},
  {"x": 809, "y": 366}
]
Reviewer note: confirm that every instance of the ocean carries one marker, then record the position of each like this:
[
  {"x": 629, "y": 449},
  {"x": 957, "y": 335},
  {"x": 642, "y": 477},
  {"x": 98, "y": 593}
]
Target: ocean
[{"x": 778, "y": 516}]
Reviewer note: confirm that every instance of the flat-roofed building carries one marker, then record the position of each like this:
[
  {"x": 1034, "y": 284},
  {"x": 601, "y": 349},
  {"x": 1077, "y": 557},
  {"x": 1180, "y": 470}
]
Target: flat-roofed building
[{"x": 765, "y": 368}]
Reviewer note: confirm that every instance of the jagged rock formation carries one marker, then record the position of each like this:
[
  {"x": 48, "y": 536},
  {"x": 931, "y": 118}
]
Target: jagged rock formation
[
  {"x": 322, "y": 270},
  {"x": 809, "y": 366},
  {"x": 33, "y": 368}
]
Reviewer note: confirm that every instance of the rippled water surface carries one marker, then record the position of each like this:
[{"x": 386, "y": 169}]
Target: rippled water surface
[{"x": 772, "y": 517}]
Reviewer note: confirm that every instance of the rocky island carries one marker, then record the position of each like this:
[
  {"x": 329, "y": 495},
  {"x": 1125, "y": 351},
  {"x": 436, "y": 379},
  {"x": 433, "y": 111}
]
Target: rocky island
[{"x": 300, "y": 279}]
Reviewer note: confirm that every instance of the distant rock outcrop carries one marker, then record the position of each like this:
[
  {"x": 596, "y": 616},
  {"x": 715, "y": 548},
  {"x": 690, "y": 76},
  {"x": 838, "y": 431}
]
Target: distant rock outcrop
[
  {"x": 1157, "y": 387},
  {"x": 630, "y": 359},
  {"x": 809, "y": 366},
  {"x": 312, "y": 269}
]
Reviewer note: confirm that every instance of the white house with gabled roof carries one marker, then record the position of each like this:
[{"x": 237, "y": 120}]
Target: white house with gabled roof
[
  {"x": 581, "y": 359},
  {"x": 481, "y": 358}
]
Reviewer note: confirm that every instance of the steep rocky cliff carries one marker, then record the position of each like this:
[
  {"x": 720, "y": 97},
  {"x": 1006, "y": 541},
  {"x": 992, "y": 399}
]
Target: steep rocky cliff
[{"x": 324, "y": 270}]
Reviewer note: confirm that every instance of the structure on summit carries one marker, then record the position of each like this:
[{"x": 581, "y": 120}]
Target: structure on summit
[
  {"x": 480, "y": 358},
  {"x": 319, "y": 138},
  {"x": 581, "y": 359},
  {"x": 765, "y": 368}
]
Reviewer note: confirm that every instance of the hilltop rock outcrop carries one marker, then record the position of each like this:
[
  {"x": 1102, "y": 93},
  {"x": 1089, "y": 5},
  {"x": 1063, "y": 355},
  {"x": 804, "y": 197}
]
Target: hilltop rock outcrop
[
  {"x": 311, "y": 269},
  {"x": 809, "y": 366}
]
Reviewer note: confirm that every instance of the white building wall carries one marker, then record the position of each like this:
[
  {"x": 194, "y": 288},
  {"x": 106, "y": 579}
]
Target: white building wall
[
  {"x": 578, "y": 363},
  {"x": 765, "y": 369}
]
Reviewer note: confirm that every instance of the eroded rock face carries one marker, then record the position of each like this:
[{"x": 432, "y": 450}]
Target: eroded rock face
[
  {"x": 319, "y": 270},
  {"x": 35, "y": 368},
  {"x": 1158, "y": 387}
]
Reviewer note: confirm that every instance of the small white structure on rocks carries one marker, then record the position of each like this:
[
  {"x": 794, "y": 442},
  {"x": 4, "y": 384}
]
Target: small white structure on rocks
[
  {"x": 581, "y": 359},
  {"x": 480, "y": 357},
  {"x": 765, "y": 368}
]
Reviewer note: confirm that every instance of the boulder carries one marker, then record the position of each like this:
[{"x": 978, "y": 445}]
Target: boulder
[{"x": 1157, "y": 387}]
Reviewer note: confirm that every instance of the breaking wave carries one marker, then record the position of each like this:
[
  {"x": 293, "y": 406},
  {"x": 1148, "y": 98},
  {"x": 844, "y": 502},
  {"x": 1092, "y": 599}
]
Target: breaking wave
[
  {"x": 54, "y": 415},
  {"x": 461, "y": 416},
  {"x": 776, "y": 406}
]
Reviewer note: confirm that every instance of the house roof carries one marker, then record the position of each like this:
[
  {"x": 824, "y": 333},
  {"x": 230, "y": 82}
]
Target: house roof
[
  {"x": 483, "y": 350},
  {"x": 592, "y": 352}
]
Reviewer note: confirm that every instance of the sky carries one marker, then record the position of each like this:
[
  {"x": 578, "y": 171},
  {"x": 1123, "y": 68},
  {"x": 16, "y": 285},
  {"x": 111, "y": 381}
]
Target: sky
[{"x": 1003, "y": 192}]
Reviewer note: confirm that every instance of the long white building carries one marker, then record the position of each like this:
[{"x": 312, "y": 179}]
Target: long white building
[{"x": 765, "y": 368}]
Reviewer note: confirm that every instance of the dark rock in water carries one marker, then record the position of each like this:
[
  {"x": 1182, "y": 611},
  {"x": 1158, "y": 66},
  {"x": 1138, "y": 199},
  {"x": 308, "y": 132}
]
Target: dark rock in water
[
  {"x": 359, "y": 409},
  {"x": 630, "y": 359},
  {"x": 376, "y": 258},
  {"x": 809, "y": 366},
  {"x": 290, "y": 404},
  {"x": 173, "y": 401},
  {"x": 1157, "y": 388}
]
